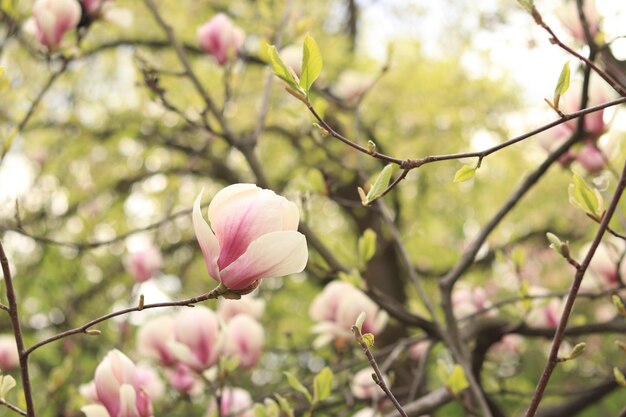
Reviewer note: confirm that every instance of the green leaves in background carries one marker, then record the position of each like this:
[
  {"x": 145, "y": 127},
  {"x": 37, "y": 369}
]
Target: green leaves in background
[
  {"x": 282, "y": 71},
  {"x": 322, "y": 385},
  {"x": 589, "y": 200},
  {"x": 7, "y": 383},
  {"x": 367, "y": 246},
  {"x": 454, "y": 379},
  {"x": 297, "y": 385},
  {"x": 311, "y": 63}
]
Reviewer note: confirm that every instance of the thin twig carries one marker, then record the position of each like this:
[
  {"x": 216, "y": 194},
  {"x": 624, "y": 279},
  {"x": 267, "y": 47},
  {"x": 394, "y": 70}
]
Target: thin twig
[
  {"x": 379, "y": 379},
  {"x": 189, "y": 302},
  {"x": 13, "y": 407},
  {"x": 571, "y": 298},
  {"x": 17, "y": 331}
]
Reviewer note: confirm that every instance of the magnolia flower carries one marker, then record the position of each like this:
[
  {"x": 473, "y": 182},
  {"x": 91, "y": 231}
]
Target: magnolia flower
[
  {"x": 548, "y": 315},
  {"x": 252, "y": 236},
  {"x": 198, "y": 342},
  {"x": 244, "y": 339},
  {"x": 53, "y": 18},
  {"x": 418, "y": 350},
  {"x": 9, "y": 357},
  {"x": 235, "y": 402},
  {"x": 571, "y": 20},
  {"x": 118, "y": 389},
  {"x": 466, "y": 301},
  {"x": 253, "y": 307},
  {"x": 153, "y": 338},
  {"x": 509, "y": 346},
  {"x": 93, "y": 7},
  {"x": 603, "y": 266},
  {"x": 336, "y": 310},
  {"x": 364, "y": 387},
  {"x": 143, "y": 264},
  {"x": 183, "y": 379},
  {"x": 149, "y": 381},
  {"x": 221, "y": 38}
]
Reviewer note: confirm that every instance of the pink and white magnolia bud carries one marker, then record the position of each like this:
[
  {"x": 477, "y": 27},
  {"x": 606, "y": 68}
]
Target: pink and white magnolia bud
[
  {"x": 253, "y": 235},
  {"x": 198, "y": 341},
  {"x": 244, "y": 340},
  {"x": 153, "y": 338},
  {"x": 253, "y": 307},
  {"x": 53, "y": 18},
  {"x": 150, "y": 381},
  {"x": 118, "y": 389},
  {"x": 221, "y": 38},
  {"x": 591, "y": 158},
  {"x": 235, "y": 402},
  {"x": 183, "y": 379},
  {"x": 336, "y": 310},
  {"x": 9, "y": 357},
  {"x": 363, "y": 386},
  {"x": 143, "y": 264}
]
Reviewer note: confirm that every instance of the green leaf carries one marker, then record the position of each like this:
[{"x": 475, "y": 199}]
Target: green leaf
[
  {"x": 380, "y": 184},
  {"x": 457, "y": 381},
  {"x": 282, "y": 71},
  {"x": 526, "y": 4},
  {"x": 465, "y": 173},
  {"x": 527, "y": 303},
  {"x": 562, "y": 84},
  {"x": 7, "y": 383},
  {"x": 619, "y": 305},
  {"x": 311, "y": 64},
  {"x": 353, "y": 278},
  {"x": 271, "y": 408},
  {"x": 322, "y": 385},
  {"x": 576, "y": 351},
  {"x": 368, "y": 338},
  {"x": 367, "y": 245},
  {"x": 585, "y": 198},
  {"x": 619, "y": 377},
  {"x": 284, "y": 405},
  {"x": 259, "y": 410},
  {"x": 297, "y": 385},
  {"x": 360, "y": 320}
]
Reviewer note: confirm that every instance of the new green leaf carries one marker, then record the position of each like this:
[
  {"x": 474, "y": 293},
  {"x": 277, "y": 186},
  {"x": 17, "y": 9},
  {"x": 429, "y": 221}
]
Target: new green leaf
[
  {"x": 322, "y": 385},
  {"x": 311, "y": 63},
  {"x": 380, "y": 185},
  {"x": 465, "y": 173},
  {"x": 585, "y": 198},
  {"x": 367, "y": 245},
  {"x": 368, "y": 338},
  {"x": 284, "y": 405},
  {"x": 457, "y": 381},
  {"x": 7, "y": 383},
  {"x": 282, "y": 71},
  {"x": 562, "y": 84},
  {"x": 297, "y": 385}
]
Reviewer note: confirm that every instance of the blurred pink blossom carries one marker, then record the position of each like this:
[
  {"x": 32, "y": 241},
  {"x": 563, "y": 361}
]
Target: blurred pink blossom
[
  {"x": 153, "y": 338},
  {"x": 253, "y": 235},
  {"x": 235, "y": 402},
  {"x": 352, "y": 85},
  {"x": 363, "y": 386},
  {"x": 143, "y": 264},
  {"x": 253, "y": 307},
  {"x": 244, "y": 340},
  {"x": 367, "y": 412},
  {"x": 466, "y": 300},
  {"x": 604, "y": 264},
  {"x": 336, "y": 309},
  {"x": 9, "y": 357},
  {"x": 198, "y": 342},
  {"x": 547, "y": 315},
  {"x": 221, "y": 38},
  {"x": 118, "y": 389},
  {"x": 53, "y": 18},
  {"x": 570, "y": 19},
  {"x": 183, "y": 379}
]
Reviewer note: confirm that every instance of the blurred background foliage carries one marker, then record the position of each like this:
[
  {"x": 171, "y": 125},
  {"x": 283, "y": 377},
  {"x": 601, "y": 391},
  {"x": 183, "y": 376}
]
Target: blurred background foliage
[{"x": 102, "y": 157}]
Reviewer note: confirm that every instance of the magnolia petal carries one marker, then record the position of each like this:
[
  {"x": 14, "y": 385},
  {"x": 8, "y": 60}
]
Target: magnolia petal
[
  {"x": 241, "y": 213},
  {"x": 128, "y": 401},
  {"x": 206, "y": 238},
  {"x": 95, "y": 410},
  {"x": 184, "y": 355},
  {"x": 271, "y": 255}
]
